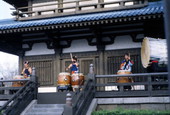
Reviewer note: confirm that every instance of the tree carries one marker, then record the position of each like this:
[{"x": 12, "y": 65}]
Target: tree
[
  {"x": 153, "y": 0},
  {"x": 7, "y": 70}
]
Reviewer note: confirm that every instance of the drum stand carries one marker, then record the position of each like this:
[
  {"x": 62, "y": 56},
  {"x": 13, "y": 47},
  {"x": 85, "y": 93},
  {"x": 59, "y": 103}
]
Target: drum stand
[
  {"x": 78, "y": 89},
  {"x": 64, "y": 88}
]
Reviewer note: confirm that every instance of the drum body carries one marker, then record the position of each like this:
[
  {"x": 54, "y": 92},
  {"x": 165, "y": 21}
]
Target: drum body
[
  {"x": 124, "y": 79},
  {"x": 18, "y": 83},
  {"x": 64, "y": 79},
  {"x": 77, "y": 80},
  {"x": 154, "y": 49}
]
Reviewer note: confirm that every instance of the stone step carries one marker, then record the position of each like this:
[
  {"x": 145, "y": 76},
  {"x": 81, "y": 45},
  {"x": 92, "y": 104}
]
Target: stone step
[
  {"x": 43, "y": 113},
  {"x": 46, "y": 110},
  {"x": 48, "y": 105}
]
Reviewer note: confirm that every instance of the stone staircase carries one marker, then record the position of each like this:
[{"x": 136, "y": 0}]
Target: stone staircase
[{"x": 44, "y": 109}]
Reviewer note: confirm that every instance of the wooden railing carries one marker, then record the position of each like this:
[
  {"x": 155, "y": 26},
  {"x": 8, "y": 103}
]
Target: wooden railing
[
  {"x": 82, "y": 100},
  {"x": 6, "y": 90},
  {"x": 19, "y": 101},
  {"x": 67, "y": 8},
  {"x": 106, "y": 86},
  {"x": 144, "y": 84}
]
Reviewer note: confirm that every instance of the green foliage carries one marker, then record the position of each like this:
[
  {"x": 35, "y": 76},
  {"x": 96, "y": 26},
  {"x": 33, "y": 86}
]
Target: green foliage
[
  {"x": 1, "y": 112},
  {"x": 130, "y": 112}
]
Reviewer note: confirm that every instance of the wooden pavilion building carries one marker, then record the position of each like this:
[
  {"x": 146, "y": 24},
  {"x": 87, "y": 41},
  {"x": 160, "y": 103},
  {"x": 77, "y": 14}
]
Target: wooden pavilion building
[{"x": 45, "y": 32}]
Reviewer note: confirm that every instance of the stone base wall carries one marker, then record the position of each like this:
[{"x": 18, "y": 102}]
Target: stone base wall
[
  {"x": 157, "y": 106},
  {"x": 139, "y": 103}
]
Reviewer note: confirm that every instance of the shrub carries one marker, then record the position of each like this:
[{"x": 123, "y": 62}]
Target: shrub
[{"x": 130, "y": 112}]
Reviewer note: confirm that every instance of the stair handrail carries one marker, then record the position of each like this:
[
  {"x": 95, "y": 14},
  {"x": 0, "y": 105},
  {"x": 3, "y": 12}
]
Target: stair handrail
[
  {"x": 81, "y": 99},
  {"x": 31, "y": 85}
]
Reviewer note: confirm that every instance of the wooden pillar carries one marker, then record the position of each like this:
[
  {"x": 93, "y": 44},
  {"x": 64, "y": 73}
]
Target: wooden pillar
[
  {"x": 167, "y": 33},
  {"x": 101, "y": 62},
  {"x": 60, "y": 5},
  {"x": 29, "y": 5},
  {"x": 57, "y": 64},
  {"x": 100, "y": 1},
  {"x": 21, "y": 60},
  {"x": 100, "y": 49},
  {"x": 77, "y": 6}
]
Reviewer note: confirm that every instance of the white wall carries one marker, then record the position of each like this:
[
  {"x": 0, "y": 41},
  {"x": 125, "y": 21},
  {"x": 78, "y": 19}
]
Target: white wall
[
  {"x": 79, "y": 46},
  {"x": 123, "y": 42},
  {"x": 39, "y": 49}
]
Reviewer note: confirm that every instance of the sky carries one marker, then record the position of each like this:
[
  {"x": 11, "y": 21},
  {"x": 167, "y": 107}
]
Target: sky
[
  {"x": 8, "y": 62},
  {"x": 5, "y": 11}
]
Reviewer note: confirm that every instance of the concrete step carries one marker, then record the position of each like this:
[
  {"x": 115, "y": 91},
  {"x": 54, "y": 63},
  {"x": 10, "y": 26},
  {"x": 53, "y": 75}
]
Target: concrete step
[
  {"x": 48, "y": 105},
  {"x": 46, "y": 109},
  {"x": 42, "y": 113}
]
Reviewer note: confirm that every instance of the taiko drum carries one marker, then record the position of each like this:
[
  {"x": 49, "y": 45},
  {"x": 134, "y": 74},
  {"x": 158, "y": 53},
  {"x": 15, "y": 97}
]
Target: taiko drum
[
  {"x": 77, "y": 80},
  {"x": 64, "y": 79},
  {"x": 123, "y": 79},
  {"x": 18, "y": 83}
]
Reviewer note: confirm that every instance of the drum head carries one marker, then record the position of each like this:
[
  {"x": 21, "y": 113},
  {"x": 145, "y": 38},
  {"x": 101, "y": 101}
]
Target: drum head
[
  {"x": 124, "y": 72},
  {"x": 18, "y": 77},
  {"x": 81, "y": 74},
  {"x": 77, "y": 74},
  {"x": 145, "y": 52},
  {"x": 64, "y": 73}
]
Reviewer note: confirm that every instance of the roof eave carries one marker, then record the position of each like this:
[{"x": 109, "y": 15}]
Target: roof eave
[
  {"x": 17, "y": 4},
  {"x": 86, "y": 23}
]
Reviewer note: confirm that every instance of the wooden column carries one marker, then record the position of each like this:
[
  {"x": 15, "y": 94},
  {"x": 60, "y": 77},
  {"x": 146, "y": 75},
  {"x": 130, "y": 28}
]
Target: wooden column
[
  {"x": 20, "y": 64},
  {"x": 77, "y": 4},
  {"x": 29, "y": 5},
  {"x": 100, "y": 49},
  {"x": 100, "y": 1},
  {"x": 167, "y": 33},
  {"x": 101, "y": 62},
  {"x": 60, "y": 5},
  {"x": 57, "y": 64}
]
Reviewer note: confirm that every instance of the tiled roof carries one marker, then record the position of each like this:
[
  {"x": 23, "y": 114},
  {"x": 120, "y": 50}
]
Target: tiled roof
[{"x": 152, "y": 8}]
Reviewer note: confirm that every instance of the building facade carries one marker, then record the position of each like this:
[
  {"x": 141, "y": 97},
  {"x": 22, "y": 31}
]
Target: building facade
[{"x": 45, "y": 32}]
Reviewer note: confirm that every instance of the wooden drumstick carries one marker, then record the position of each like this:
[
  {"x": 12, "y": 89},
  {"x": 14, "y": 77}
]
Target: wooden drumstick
[{"x": 71, "y": 56}]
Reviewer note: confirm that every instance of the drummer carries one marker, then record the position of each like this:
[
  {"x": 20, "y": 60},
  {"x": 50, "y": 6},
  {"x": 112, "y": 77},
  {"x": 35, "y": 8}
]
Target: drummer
[
  {"x": 27, "y": 70},
  {"x": 127, "y": 63},
  {"x": 73, "y": 66}
]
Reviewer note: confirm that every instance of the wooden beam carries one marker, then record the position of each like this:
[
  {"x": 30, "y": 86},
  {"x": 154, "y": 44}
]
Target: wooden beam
[
  {"x": 123, "y": 31},
  {"x": 30, "y": 44}
]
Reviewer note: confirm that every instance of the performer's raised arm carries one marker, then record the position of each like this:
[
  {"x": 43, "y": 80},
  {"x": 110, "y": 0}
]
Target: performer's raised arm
[
  {"x": 127, "y": 63},
  {"x": 74, "y": 65}
]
